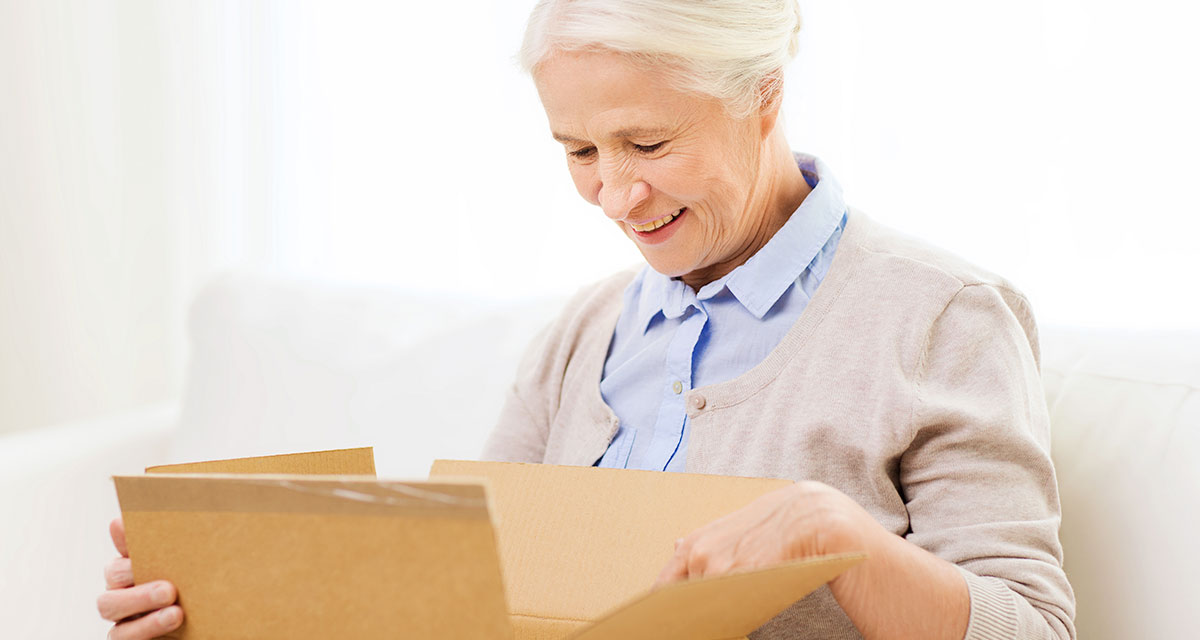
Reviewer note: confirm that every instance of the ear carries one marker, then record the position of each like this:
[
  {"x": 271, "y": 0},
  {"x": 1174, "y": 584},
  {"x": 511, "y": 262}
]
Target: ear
[{"x": 770, "y": 100}]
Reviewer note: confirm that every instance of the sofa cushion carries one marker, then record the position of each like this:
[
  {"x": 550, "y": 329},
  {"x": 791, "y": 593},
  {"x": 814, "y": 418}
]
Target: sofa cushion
[
  {"x": 1125, "y": 415},
  {"x": 278, "y": 366}
]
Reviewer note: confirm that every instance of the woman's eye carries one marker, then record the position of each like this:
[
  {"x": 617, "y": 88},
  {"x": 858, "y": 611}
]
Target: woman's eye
[
  {"x": 583, "y": 153},
  {"x": 649, "y": 148}
]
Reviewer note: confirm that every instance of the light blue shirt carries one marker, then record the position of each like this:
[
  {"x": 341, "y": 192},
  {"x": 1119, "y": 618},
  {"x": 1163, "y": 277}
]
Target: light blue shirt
[{"x": 670, "y": 339}]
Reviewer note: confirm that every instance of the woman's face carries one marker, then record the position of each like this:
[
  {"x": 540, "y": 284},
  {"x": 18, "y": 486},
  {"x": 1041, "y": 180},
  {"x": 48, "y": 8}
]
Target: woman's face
[{"x": 678, "y": 175}]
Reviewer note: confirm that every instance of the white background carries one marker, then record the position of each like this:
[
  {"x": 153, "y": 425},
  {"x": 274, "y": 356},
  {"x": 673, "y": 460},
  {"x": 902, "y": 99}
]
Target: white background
[{"x": 146, "y": 146}]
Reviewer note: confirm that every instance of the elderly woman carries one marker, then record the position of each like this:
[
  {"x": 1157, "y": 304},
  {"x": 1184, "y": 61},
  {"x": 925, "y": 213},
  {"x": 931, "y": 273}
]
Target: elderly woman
[{"x": 774, "y": 332}]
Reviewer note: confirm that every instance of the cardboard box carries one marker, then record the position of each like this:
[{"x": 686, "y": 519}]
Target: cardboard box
[
  {"x": 338, "y": 462},
  {"x": 575, "y": 549}
]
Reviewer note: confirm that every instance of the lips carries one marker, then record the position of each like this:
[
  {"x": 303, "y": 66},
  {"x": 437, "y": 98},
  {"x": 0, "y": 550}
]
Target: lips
[{"x": 657, "y": 224}]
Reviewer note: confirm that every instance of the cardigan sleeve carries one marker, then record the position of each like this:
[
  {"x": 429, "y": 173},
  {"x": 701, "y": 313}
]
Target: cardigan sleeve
[{"x": 977, "y": 478}]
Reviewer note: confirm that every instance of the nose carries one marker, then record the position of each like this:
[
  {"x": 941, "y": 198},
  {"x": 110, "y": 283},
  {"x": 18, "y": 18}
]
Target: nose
[{"x": 618, "y": 199}]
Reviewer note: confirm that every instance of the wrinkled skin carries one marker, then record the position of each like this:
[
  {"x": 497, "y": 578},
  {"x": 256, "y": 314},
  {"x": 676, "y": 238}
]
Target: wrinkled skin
[
  {"x": 140, "y": 612},
  {"x": 641, "y": 150},
  {"x": 804, "y": 520}
]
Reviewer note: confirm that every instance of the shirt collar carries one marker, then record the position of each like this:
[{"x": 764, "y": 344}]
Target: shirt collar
[
  {"x": 765, "y": 277},
  {"x": 661, "y": 294}
]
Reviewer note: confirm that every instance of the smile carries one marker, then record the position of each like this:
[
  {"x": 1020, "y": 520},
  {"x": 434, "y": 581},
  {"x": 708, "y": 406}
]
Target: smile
[{"x": 656, "y": 224}]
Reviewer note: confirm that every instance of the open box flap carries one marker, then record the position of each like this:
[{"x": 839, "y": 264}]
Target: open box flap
[
  {"x": 359, "y": 461},
  {"x": 289, "y": 556},
  {"x": 577, "y": 542},
  {"x": 728, "y": 606}
]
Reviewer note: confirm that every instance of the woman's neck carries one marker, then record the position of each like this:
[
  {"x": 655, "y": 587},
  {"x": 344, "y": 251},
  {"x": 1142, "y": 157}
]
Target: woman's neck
[{"x": 783, "y": 188}]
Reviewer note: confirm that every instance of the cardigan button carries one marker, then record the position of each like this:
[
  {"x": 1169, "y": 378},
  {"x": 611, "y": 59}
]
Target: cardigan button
[{"x": 697, "y": 402}]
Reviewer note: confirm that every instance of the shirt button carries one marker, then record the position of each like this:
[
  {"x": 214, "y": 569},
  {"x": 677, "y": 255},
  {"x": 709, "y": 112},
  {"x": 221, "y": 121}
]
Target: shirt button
[
  {"x": 677, "y": 387},
  {"x": 697, "y": 402}
]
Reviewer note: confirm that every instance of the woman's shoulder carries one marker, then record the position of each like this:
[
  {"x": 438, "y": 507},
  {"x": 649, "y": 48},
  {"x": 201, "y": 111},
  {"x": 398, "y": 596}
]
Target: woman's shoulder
[
  {"x": 884, "y": 247},
  {"x": 920, "y": 272},
  {"x": 583, "y": 325},
  {"x": 595, "y": 305},
  {"x": 603, "y": 293},
  {"x": 918, "y": 279}
]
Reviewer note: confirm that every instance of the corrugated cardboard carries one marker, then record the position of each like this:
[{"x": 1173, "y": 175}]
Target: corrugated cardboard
[
  {"x": 720, "y": 608},
  {"x": 339, "y": 556},
  {"x": 272, "y": 556},
  {"x": 577, "y": 542},
  {"x": 287, "y": 556},
  {"x": 338, "y": 462}
]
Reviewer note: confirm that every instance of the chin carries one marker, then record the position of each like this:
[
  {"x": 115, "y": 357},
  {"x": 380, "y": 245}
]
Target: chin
[{"x": 669, "y": 268}]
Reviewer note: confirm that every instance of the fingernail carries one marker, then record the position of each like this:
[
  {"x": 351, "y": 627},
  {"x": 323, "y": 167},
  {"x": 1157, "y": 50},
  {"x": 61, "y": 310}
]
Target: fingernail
[
  {"x": 162, "y": 593},
  {"x": 168, "y": 616}
]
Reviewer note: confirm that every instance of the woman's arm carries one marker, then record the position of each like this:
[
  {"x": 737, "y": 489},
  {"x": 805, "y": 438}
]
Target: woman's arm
[
  {"x": 900, "y": 591},
  {"x": 519, "y": 435},
  {"x": 977, "y": 478},
  {"x": 904, "y": 592},
  {"x": 982, "y": 558}
]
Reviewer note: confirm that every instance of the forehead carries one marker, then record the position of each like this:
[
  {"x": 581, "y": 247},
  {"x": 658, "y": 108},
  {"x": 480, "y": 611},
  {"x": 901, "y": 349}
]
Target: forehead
[{"x": 602, "y": 94}]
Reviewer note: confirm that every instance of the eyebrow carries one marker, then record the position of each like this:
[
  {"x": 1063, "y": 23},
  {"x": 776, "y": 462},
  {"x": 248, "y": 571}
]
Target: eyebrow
[{"x": 632, "y": 132}]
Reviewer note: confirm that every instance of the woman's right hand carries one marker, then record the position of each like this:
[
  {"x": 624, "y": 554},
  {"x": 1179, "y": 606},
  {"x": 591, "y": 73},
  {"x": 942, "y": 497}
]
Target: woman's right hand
[{"x": 141, "y": 612}]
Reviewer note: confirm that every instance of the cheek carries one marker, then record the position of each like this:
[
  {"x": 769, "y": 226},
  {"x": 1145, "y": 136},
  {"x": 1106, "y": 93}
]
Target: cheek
[
  {"x": 587, "y": 183},
  {"x": 685, "y": 177}
]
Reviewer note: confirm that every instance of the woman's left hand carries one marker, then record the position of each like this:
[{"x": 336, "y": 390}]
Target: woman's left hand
[
  {"x": 803, "y": 520},
  {"x": 900, "y": 591}
]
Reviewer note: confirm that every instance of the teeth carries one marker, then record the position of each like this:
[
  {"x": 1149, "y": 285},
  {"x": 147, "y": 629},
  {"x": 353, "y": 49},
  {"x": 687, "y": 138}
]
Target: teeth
[{"x": 655, "y": 224}]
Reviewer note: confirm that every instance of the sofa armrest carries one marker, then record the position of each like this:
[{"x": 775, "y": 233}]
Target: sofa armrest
[{"x": 57, "y": 498}]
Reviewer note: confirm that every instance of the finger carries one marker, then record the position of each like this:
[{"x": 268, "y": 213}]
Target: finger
[
  {"x": 676, "y": 568},
  {"x": 118, "y": 574},
  {"x": 147, "y": 627},
  {"x": 714, "y": 566},
  {"x": 116, "y": 529},
  {"x": 119, "y": 604},
  {"x": 697, "y": 562}
]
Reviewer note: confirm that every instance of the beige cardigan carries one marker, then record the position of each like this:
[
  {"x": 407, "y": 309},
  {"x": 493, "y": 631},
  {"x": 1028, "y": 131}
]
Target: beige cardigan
[{"x": 910, "y": 383}]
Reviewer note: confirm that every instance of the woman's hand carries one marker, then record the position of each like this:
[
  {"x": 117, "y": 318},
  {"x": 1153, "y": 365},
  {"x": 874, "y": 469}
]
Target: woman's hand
[
  {"x": 899, "y": 591},
  {"x": 140, "y": 612},
  {"x": 803, "y": 520}
]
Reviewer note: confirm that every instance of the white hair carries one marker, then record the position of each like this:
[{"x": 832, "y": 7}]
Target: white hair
[{"x": 732, "y": 50}]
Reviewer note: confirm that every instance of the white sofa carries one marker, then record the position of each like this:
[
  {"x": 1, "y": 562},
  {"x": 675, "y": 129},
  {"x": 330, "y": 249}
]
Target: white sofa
[{"x": 288, "y": 366}]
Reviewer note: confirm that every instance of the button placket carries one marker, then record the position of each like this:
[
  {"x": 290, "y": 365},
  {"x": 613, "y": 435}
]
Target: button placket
[{"x": 670, "y": 427}]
